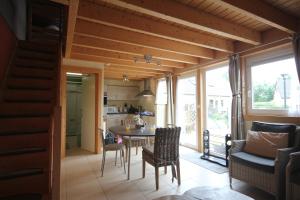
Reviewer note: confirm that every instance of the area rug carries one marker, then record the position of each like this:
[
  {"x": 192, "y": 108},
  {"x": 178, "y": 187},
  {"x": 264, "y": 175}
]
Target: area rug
[
  {"x": 194, "y": 157},
  {"x": 207, "y": 193}
]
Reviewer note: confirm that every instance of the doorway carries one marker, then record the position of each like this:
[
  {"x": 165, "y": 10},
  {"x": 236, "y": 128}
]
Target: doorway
[
  {"x": 74, "y": 111},
  {"x": 80, "y": 113},
  {"x": 217, "y": 108},
  {"x": 186, "y": 113}
]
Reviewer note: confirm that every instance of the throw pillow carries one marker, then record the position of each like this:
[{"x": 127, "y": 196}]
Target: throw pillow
[{"x": 265, "y": 143}]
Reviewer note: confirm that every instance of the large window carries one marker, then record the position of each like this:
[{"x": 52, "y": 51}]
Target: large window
[
  {"x": 186, "y": 110},
  {"x": 218, "y": 108},
  {"x": 273, "y": 87},
  {"x": 161, "y": 102}
]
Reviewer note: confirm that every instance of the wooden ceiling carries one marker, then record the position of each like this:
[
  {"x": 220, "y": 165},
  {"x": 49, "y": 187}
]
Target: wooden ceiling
[{"x": 180, "y": 34}]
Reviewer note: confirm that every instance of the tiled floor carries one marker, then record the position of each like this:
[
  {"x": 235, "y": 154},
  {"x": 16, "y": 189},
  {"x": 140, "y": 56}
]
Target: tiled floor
[{"x": 81, "y": 179}]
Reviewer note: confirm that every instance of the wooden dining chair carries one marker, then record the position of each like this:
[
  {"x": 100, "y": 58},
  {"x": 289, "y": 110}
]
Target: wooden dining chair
[
  {"x": 135, "y": 142},
  {"x": 164, "y": 152},
  {"x": 111, "y": 147}
]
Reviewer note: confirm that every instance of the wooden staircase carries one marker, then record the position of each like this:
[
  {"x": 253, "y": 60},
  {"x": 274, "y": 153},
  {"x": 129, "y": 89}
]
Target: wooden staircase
[{"x": 28, "y": 99}]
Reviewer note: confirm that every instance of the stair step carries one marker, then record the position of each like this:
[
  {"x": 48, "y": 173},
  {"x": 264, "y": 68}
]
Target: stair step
[
  {"x": 22, "y": 159},
  {"x": 19, "y": 62},
  {"x": 37, "y": 29},
  {"x": 23, "y": 197},
  {"x": 21, "y": 53},
  {"x": 47, "y": 37},
  {"x": 18, "y": 83},
  {"x": 25, "y": 109},
  {"x": 39, "y": 140},
  {"x": 35, "y": 182},
  {"x": 20, "y": 173},
  {"x": 24, "y": 125},
  {"x": 12, "y": 95},
  {"x": 32, "y": 73},
  {"x": 13, "y": 152},
  {"x": 38, "y": 46}
]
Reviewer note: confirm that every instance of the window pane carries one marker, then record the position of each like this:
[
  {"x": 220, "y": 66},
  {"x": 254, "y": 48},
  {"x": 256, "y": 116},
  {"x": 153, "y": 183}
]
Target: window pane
[
  {"x": 161, "y": 93},
  {"x": 161, "y": 101},
  {"x": 275, "y": 86},
  {"x": 218, "y": 108},
  {"x": 186, "y": 110},
  {"x": 160, "y": 115}
]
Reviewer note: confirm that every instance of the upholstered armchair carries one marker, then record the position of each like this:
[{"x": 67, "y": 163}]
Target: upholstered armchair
[
  {"x": 266, "y": 173},
  {"x": 293, "y": 177}
]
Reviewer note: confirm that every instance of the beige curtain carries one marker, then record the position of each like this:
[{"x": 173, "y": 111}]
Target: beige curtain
[
  {"x": 296, "y": 45},
  {"x": 237, "y": 121},
  {"x": 170, "y": 101}
]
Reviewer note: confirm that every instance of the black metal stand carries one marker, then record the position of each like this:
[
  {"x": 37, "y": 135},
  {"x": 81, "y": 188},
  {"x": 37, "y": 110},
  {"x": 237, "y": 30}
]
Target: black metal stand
[{"x": 213, "y": 158}]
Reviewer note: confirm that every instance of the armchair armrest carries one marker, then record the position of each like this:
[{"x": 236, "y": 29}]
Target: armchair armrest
[
  {"x": 294, "y": 163},
  {"x": 281, "y": 160},
  {"x": 282, "y": 156},
  {"x": 237, "y": 146}
]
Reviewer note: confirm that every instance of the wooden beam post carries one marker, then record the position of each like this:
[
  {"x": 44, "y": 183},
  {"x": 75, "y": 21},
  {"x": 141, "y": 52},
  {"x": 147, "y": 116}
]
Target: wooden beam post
[{"x": 72, "y": 16}]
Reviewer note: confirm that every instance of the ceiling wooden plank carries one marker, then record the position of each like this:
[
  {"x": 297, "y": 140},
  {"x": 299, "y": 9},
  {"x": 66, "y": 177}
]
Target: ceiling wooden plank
[
  {"x": 112, "y": 17},
  {"x": 109, "y": 61},
  {"x": 129, "y": 74},
  {"x": 117, "y": 70},
  {"x": 181, "y": 14},
  {"x": 263, "y": 12},
  {"x": 131, "y": 69},
  {"x": 130, "y": 37},
  {"x": 137, "y": 74},
  {"x": 97, "y": 43},
  {"x": 114, "y": 77},
  {"x": 73, "y": 8},
  {"x": 120, "y": 56}
]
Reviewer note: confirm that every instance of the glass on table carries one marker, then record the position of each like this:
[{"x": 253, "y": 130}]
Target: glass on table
[{"x": 127, "y": 125}]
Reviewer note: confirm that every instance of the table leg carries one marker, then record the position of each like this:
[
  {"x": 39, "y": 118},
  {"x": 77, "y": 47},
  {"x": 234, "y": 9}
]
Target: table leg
[{"x": 129, "y": 157}]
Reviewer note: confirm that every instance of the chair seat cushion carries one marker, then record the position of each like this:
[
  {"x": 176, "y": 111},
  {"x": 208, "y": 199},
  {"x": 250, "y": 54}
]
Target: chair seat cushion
[
  {"x": 276, "y": 128},
  {"x": 113, "y": 147},
  {"x": 265, "y": 164},
  {"x": 148, "y": 149},
  {"x": 265, "y": 144},
  {"x": 135, "y": 141},
  {"x": 295, "y": 178}
]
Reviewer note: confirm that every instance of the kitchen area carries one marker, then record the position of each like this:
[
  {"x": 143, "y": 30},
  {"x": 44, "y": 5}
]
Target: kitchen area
[{"x": 123, "y": 100}]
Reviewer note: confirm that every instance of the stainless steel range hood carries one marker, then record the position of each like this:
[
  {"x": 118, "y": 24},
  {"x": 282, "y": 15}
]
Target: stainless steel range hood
[{"x": 147, "y": 91}]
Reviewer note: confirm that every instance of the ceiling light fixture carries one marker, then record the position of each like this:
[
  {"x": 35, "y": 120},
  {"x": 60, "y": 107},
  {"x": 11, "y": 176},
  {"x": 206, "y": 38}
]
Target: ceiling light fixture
[{"x": 148, "y": 59}]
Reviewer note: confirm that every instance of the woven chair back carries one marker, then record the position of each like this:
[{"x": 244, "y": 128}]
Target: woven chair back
[{"x": 166, "y": 145}]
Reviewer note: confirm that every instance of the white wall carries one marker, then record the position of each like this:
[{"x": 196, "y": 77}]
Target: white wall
[{"x": 88, "y": 114}]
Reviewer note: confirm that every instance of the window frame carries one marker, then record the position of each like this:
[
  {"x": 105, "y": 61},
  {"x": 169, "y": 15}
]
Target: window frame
[{"x": 263, "y": 58}]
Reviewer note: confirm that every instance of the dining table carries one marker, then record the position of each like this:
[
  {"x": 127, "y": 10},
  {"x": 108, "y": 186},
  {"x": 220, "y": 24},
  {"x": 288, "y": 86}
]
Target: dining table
[{"x": 122, "y": 131}]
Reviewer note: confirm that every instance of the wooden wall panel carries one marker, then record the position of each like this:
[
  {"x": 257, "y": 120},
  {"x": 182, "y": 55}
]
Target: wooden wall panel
[{"x": 8, "y": 44}]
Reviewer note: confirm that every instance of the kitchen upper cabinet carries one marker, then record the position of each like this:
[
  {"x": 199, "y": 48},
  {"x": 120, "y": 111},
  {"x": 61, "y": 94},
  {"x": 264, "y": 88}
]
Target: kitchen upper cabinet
[{"x": 116, "y": 92}]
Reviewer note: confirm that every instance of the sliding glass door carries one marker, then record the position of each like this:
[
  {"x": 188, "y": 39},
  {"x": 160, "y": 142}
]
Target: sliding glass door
[
  {"x": 186, "y": 116},
  {"x": 218, "y": 108}
]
